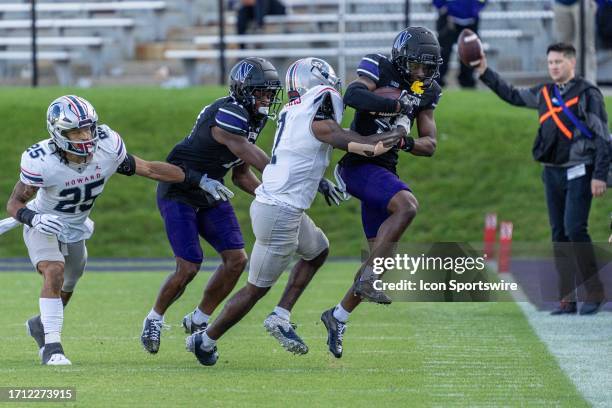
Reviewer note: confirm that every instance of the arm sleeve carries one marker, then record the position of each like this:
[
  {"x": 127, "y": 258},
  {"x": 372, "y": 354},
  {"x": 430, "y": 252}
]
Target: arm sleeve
[
  {"x": 527, "y": 97},
  {"x": 358, "y": 96},
  {"x": 128, "y": 166},
  {"x": 597, "y": 122},
  {"x": 31, "y": 171},
  {"x": 233, "y": 118}
]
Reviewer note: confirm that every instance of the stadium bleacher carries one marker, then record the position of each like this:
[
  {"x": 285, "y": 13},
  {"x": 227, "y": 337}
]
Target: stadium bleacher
[{"x": 181, "y": 36}]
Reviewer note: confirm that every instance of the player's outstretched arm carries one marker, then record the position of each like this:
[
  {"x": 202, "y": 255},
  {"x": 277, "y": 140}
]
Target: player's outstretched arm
[
  {"x": 22, "y": 193},
  {"x": 243, "y": 149},
  {"x": 159, "y": 171},
  {"x": 243, "y": 177},
  {"x": 328, "y": 131}
]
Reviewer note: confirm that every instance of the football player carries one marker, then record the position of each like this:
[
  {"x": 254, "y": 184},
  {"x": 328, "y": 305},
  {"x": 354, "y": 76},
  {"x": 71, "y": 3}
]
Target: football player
[
  {"x": 65, "y": 174},
  {"x": 223, "y": 138},
  {"x": 307, "y": 131},
  {"x": 388, "y": 206}
]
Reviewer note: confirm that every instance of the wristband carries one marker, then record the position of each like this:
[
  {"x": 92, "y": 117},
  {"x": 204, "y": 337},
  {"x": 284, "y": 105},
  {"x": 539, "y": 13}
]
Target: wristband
[
  {"x": 25, "y": 215},
  {"x": 407, "y": 143}
]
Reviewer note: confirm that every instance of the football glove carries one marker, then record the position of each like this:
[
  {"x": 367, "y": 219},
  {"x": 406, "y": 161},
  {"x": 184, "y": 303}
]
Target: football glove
[
  {"x": 48, "y": 224},
  {"x": 340, "y": 184},
  {"x": 405, "y": 106},
  {"x": 331, "y": 192},
  {"x": 215, "y": 188}
]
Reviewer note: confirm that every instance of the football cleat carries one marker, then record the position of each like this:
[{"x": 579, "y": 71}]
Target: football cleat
[
  {"x": 335, "y": 332},
  {"x": 34, "y": 328},
  {"x": 191, "y": 327},
  {"x": 284, "y": 331},
  {"x": 151, "y": 334},
  {"x": 53, "y": 355},
  {"x": 365, "y": 290},
  {"x": 195, "y": 345}
]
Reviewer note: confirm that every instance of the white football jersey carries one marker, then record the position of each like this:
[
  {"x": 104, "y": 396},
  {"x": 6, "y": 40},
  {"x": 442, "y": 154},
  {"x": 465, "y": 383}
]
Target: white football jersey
[
  {"x": 298, "y": 159},
  {"x": 64, "y": 190}
]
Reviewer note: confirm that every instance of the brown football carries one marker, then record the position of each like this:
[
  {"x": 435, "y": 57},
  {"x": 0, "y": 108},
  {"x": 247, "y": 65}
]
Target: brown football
[
  {"x": 469, "y": 47},
  {"x": 388, "y": 92}
]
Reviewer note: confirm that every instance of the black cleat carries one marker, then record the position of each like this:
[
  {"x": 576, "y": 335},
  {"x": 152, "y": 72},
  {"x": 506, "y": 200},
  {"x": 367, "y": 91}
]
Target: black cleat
[
  {"x": 191, "y": 327},
  {"x": 195, "y": 345},
  {"x": 335, "y": 332},
  {"x": 565, "y": 308},
  {"x": 365, "y": 290},
  {"x": 590, "y": 308},
  {"x": 35, "y": 329},
  {"x": 151, "y": 335},
  {"x": 53, "y": 354}
]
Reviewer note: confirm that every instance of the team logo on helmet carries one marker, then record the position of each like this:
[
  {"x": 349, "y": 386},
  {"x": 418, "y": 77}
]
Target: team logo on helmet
[
  {"x": 401, "y": 39},
  {"x": 54, "y": 114},
  {"x": 243, "y": 71}
]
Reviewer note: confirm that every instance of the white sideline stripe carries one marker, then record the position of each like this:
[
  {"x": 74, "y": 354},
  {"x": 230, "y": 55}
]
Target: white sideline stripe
[{"x": 582, "y": 345}]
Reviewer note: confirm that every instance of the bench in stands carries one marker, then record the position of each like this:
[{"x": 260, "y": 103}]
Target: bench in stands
[
  {"x": 190, "y": 57},
  {"x": 61, "y": 24},
  {"x": 61, "y": 60},
  {"x": 94, "y": 44},
  {"x": 157, "y": 7}
]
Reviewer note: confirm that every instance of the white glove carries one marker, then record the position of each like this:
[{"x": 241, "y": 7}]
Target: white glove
[
  {"x": 215, "y": 188},
  {"x": 8, "y": 224},
  {"x": 48, "y": 224},
  {"x": 403, "y": 121}
]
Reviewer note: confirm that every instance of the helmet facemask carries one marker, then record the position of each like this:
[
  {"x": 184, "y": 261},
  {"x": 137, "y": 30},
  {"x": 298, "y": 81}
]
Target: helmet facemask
[{"x": 266, "y": 101}]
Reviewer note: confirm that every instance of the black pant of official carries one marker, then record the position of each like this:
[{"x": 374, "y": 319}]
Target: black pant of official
[
  {"x": 569, "y": 203},
  {"x": 257, "y": 13},
  {"x": 447, "y": 36}
]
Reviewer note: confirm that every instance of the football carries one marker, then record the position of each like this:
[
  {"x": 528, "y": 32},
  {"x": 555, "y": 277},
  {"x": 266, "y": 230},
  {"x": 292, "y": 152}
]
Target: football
[
  {"x": 388, "y": 92},
  {"x": 469, "y": 47}
]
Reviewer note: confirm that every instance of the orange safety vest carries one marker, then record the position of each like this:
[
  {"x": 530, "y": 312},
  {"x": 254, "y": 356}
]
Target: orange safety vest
[{"x": 552, "y": 112}]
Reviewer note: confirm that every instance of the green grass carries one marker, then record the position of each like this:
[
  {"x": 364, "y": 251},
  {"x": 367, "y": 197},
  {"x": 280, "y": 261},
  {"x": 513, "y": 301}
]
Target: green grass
[
  {"x": 483, "y": 164},
  {"x": 407, "y": 354}
]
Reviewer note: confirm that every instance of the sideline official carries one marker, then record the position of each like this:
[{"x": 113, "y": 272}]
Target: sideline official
[{"x": 573, "y": 145}]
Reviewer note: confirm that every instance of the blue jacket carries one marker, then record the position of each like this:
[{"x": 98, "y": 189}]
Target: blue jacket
[{"x": 461, "y": 9}]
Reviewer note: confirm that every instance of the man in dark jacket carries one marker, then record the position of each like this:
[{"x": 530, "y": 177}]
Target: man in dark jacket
[{"x": 573, "y": 145}]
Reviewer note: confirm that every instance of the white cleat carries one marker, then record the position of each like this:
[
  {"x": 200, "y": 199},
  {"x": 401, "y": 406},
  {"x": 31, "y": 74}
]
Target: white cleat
[{"x": 58, "y": 360}]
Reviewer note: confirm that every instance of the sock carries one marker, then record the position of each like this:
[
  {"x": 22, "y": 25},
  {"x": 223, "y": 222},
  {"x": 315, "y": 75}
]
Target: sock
[
  {"x": 207, "y": 342},
  {"x": 341, "y": 314},
  {"x": 282, "y": 313},
  {"x": 153, "y": 315},
  {"x": 52, "y": 318},
  {"x": 199, "y": 317}
]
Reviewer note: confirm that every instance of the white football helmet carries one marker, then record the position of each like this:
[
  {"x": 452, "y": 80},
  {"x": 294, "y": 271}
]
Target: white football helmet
[
  {"x": 307, "y": 73},
  {"x": 72, "y": 112}
]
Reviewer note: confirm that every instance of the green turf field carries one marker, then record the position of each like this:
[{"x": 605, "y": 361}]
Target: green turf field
[
  {"x": 407, "y": 354},
  {"x": 483, "y": 163}
]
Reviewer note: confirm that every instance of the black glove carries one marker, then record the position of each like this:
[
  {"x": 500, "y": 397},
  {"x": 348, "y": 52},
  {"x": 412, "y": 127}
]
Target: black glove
[{"x": 331, "y": 192}]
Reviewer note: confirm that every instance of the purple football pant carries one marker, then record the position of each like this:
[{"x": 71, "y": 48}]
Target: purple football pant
[
  {"x": 185, "y": 224},
  {"x": 375, "y": 186}
]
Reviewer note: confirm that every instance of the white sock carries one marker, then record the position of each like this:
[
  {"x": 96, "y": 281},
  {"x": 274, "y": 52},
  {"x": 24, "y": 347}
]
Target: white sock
[
  {"x": 153, "y": 315},
  {"x": 199, "y": 317},
  {"x": 52, "y": 317},
  {"x": 282, "y": 313},
  {"x": 341, "y": 314},
  {"x": 207, "y": 342}
]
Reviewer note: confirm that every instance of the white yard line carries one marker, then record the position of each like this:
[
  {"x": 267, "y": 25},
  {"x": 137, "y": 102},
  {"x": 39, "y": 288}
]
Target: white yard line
[{"x": 582, "y": 345}]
